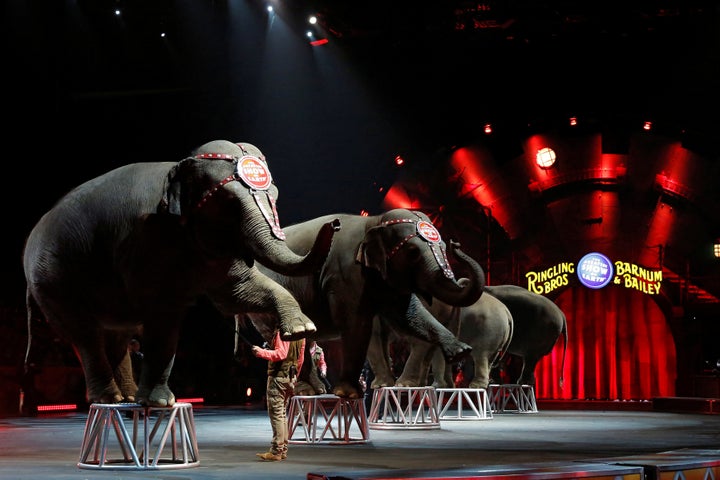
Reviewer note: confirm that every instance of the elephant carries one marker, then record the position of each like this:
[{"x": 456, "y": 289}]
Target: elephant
[
  {"x": 375, "y": 265},
  {"x": 539, "y": 322},
  {"x": 135, "y": 247},
  {"x": 486, "y": 325}
]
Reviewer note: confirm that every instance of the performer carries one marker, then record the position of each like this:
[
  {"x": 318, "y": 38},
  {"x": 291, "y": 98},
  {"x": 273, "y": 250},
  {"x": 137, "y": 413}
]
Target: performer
[
  {"x": 318, "y": 357},
  {"x": 285, "y": 360}
]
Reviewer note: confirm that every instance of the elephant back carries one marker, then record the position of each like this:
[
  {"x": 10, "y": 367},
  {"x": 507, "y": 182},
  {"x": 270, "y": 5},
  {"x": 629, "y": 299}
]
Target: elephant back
[{"x": 227, "y": 149}]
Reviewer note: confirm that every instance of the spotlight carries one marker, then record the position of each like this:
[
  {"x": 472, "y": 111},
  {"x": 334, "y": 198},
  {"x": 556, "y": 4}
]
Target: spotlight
[{"x": 545, "y": 157}]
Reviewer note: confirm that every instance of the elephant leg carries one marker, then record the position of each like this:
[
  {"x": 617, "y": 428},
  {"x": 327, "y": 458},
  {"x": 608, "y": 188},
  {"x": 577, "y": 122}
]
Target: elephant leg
[
  {"x": 160, "y": 338},
  {"x": 315, "y": 382},
  {"x": 527, "y": 374},
  {"x": 249, "y": 290},
  {"x": 355, "y": 340},
  {"x": 119, "y": 358},
  {"x": 124, "y": 379},
  {"x": 309, "y": 382},
  {"x": 442, "y": 370},
  {"x": 416, "y": 368},
  {"x": 88, "y": 342},
  {"x": 416, "y": 321},
  {"x": 481, "y": 374},
  {"x": 378, "y": 356}
]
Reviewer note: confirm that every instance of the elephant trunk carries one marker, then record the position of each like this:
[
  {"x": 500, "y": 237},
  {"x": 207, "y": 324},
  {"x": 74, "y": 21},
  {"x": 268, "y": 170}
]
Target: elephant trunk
[
  {"x": 466, "y": 291},
  {"x": 279, "y": 257}
]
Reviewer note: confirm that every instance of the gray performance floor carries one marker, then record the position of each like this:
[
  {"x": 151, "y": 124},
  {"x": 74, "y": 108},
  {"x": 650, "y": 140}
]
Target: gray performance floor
[{"x": 48, "y": 447}]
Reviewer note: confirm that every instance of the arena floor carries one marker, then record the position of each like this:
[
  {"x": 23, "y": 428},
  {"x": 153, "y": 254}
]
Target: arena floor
[{"x": 48, "y": 446}]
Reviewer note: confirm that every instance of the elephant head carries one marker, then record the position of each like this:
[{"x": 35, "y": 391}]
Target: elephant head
[
  {"x": 407, "y": 251},
  {"x": 223, "y": 182},
  {"x": 139, "y": 244}
]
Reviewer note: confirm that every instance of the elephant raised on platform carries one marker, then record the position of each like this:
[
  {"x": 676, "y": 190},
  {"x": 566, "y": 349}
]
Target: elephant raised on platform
[
  {"x": 486, "y": 325},
  {"x": 135, "y": 247},
  {"x": 374, "y": 266},
  {"x": 539, "y": 323}
]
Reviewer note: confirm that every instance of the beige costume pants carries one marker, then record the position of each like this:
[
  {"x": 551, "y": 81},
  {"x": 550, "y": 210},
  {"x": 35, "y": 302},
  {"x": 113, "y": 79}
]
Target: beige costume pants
[{"x": 279, "y": 391}]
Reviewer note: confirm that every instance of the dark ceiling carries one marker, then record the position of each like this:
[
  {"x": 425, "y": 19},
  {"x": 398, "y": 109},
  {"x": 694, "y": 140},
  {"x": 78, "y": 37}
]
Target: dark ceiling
[{"x": 88, "y": 90}]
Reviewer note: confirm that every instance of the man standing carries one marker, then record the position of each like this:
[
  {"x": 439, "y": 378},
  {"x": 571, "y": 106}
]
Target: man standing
[
  {"x": 285, "y": 360},
  {"x": 318, "y": 357}
]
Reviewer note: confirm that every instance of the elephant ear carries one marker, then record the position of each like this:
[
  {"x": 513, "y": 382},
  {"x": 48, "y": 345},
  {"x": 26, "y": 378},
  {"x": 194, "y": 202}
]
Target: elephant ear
[
  {"x": 171, "y": 196},
  {"x": 371, "y": 252}
]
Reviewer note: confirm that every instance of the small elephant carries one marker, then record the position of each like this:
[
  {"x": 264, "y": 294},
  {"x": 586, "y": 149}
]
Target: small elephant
[
  {"x": 538, "y": 324},
  {"x": 374, "y": 266},
  {"x": 135, "y": 247},
  {"x": 486, "y": 325}
]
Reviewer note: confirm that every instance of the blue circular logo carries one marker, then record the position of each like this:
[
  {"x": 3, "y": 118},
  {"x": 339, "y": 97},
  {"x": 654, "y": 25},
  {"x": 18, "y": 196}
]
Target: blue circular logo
[{"x": 595, "y": 270}]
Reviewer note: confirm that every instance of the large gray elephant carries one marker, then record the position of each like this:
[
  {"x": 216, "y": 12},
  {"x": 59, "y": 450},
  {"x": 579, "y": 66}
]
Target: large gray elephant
[
  {"x": 539, "y": 322},
  {"x": 137, "y": 246},
  {"x": 374, "y": 266},
  {"x": 486, "y": 325}
]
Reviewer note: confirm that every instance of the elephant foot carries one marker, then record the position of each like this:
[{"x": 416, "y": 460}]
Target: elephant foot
[
  {"x": 527, "y": 381},
  {"x": 304, "y": 388},
  {"x": 318, "y": 386},
  {"x": 442, "y": 384},
  {"x": 347, "y": 390},
  {"x": 479, "y": 384},
  {"x": 160, "y": 396},
  {"x": 296, "y": 330},
  {"x": 407, "y": 382},
  {"x": 129, "y": 392},
  {"x": 456, "y": 352},
  {"x": 110, "y": 394},
  {"x": 382, "y": 381}
]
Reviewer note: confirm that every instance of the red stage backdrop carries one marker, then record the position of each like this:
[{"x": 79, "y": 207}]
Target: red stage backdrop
[{"x": 619, "y": 348}]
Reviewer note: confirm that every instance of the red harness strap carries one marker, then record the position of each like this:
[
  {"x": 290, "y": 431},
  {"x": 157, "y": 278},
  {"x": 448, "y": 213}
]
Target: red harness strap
[{"x": 271, "y": 218}]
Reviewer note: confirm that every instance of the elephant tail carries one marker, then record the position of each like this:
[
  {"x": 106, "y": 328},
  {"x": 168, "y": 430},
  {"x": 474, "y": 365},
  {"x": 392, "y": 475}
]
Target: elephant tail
[
  {"x": 565, "y": 343},
  {"x": 506, "y": 344},
  {"x": 32, "y": 313}
]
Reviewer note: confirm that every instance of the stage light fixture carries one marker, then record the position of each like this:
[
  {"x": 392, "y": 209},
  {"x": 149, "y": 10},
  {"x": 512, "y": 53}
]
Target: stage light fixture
[
  {"x": 545, "y": 157},
  {"x": 573, "y": 121},
  {"x": 312, "y": 20},
  {"x": 647, "y": 126},
  {"x": 716, "y": 248},
  {"x": 488, "y": 129}
]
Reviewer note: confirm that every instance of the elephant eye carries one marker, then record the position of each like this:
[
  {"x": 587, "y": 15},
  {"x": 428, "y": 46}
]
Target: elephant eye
[{"x": 412, "y": 253}]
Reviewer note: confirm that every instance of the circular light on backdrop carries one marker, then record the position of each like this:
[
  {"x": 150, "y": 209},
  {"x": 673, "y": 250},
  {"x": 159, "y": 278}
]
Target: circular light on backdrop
[
  {"x": 595, "y": 270},
  {"x": 545, "y": 157}
]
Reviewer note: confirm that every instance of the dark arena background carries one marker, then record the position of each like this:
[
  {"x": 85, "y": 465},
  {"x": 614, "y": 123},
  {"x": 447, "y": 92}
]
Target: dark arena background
[{"x": 571, "y": 148}]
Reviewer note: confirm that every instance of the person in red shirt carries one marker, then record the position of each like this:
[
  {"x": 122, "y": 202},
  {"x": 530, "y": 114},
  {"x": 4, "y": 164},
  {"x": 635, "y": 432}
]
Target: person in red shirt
[
  {"x": 285, "y": 359},
  {"x": 318, "y": 357}
]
